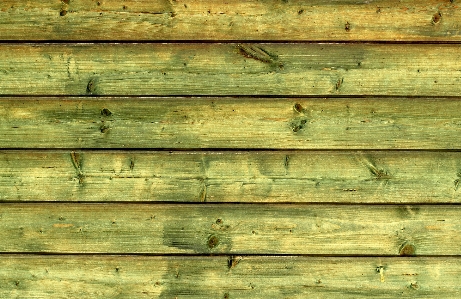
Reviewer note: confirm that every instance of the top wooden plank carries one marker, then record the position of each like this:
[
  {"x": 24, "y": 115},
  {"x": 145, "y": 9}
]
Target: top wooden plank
[{"x": 281, "y": 20}]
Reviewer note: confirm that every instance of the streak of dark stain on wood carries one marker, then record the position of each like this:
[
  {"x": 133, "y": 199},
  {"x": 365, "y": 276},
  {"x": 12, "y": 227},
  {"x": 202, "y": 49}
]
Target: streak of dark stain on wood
[{"x": 260, "y": 54}]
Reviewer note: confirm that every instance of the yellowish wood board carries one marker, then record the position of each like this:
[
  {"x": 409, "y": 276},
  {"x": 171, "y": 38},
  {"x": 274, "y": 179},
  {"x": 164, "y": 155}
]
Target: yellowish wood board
[
  {"x": 255, "y": 176},
  {"x": 239, "y": 123},
  {"x": 231, "y": 229},
  {"x": 345, "y": 20},
  {"x": 227, "y": 277},
  {"x": 230, "y": 69}
]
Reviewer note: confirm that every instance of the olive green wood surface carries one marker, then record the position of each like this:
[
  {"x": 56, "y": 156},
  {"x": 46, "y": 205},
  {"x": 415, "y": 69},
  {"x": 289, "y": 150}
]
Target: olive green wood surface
[
  {"x": 230, "y": 69},
  {"x": 231, "y": 228},
  {"x": 30, "y": 276},
  {"x": 255, "y": 176},
  {"x": 234, "y": 123},
  {"x": 281, "y": 20}
]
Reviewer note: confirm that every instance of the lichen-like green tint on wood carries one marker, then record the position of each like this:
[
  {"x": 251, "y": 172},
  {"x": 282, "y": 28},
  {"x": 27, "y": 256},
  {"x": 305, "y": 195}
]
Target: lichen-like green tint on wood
[
  {"x": 231, "y": 229},
  {"x": 256, "y": 176},
  {"x": 27, "y": 276},
  {"x": 241, "y": 123},
  {"x": 346, "y": 20},
  {"x": 230, "y": 69}
]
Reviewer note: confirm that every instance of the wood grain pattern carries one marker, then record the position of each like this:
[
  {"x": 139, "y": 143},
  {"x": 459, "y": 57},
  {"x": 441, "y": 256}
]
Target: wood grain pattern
[
  {"x": 345, "y": 20},
  {"x": 224, "y": 277},
  {"x": 240, "y": 176},
  {"x": 230, "y": 69},
  {"x": 231, "y": 229},
  {"x": 242, "y": 123}
]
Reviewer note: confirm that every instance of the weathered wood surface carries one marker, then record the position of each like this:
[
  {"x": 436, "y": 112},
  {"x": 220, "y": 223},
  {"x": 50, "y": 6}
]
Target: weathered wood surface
[
  {"x": 230, "y": 69},
  {"x": 241, "y": 123},
  {"x": 255, "y": 176},
  {"x": 344, "y": 20},
  {"x": 231, "y": 229},
  {"x": 223, "y": 277}
]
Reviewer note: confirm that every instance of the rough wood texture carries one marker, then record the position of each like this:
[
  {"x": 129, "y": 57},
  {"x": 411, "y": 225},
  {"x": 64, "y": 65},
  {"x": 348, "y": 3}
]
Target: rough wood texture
[
  {"x": 227, "y": 277},
  {"x": 231, "y": 228},
  {"x": 353, "y": 20},
  {"x": 230, "y": 69},
  {"x": 259, "y": 176},
  {"x": 368, "y": 123}
]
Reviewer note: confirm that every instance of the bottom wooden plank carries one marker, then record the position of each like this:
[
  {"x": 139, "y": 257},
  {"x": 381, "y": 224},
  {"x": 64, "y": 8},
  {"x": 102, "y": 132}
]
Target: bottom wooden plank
[{"x": 30, "y": 276}]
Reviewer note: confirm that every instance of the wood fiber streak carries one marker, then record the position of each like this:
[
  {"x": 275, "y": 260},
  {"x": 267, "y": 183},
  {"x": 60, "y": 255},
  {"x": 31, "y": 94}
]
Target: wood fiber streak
[
  {"x": 211, "y": 20},
  {"x": 230, "y": 69},
  {"x": 227, "y": 277},
  {"x": 231, "y": 229},
  {"x": 242, "y": 123},
  {"x": 246, "y": 177}
]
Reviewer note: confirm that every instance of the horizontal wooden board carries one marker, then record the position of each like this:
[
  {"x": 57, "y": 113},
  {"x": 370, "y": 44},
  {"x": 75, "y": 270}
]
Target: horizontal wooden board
[
  {"x": 382, "y": 20},
  {"x": 223, "y": 277},
  {"x": 230, "y": 69},
  {"x": 241, "y": 123},
  {"x": 231, "y": 229},
  {"x": 255, "y": 176}
]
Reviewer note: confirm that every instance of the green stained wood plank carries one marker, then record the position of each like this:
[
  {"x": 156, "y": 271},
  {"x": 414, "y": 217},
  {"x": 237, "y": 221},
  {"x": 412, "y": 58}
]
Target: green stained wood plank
[
  {"x": 382, "y": 20},
  {"x": 230, "y": 69},
  {"x": 239, "y": 123},
  {"x": 231, "y": 229},
  {"x": 256, "y": 176},
  {"x": 227, "y": 277}
]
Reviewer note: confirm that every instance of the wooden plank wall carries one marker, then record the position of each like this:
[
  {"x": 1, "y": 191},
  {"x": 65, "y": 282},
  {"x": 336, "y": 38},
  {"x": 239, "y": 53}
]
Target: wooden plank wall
[{"x": 230, "y": 149}]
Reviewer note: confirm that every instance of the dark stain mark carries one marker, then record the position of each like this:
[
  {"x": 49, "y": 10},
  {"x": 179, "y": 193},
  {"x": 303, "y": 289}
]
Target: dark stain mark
[
  {"x": 286, "y": 162},
  {"x": 298, "y": 108},
  {"x": 300, "y": 12},
  {"x": 378, "y": 10},
  {"x": 131, "y": 164},
  {"x": 77, "y": 162},
  {"x": 258, "y": 53},
  {"x": 457, "y": 181},
  {"x": 338, "y": 83},
  {"x": 226, "y": 295},
  {"x": 104, "y": 129},
  {"x": 91, "y": 86},
  {"x": 233, "y": 261},
  {"x": 347, "y": 26},
  {"x": 414, "y": 286},
  {"x": 408, "y": 211},
  {"x": 65, "y": 1},
  {"x": 125, "y": 7},
  {"x": 98, "y": 3},
  {"x": 298, "y": 124},
  {"x": 213, "y": 241},
  {"x": 436, "y": 18},
  {"x": 379, "y": 174},
  {"x": 219, "y": 221},
  {"x": 117, "y": 269},
  {"x": 407, "y": 249},
  {"x": 106, "y": 112},
  {"x": 63, "y": 12},
  {"x": 350, "y": 190},
  {"x": 202, "y": 192}
]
